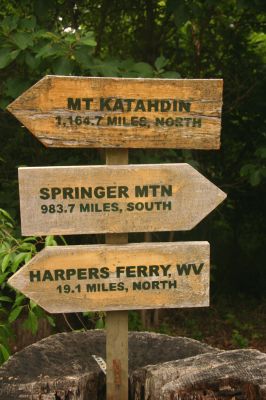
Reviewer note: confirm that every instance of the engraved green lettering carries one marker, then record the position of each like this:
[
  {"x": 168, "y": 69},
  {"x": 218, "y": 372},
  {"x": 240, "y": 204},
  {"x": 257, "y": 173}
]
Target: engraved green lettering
[
  {"x": 118, "y": 106},
  {"x": 184, "y": 106},
  {"x": 35, "y": 276},
  {"x": 105, "y": 104},
  {"x": 87, "y": 102},
  {"x": 44, "y": 193},
  {"x": 73, "y": 104},
  {"x": 140, "y": 106}
]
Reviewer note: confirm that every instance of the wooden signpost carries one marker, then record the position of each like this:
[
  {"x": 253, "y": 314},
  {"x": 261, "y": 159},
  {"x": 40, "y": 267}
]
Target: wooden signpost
[
  {"x": 113, "y": 199},
  {"x": 117, "y": 277},
  {"x": 121, "y": 112},
  {"x": 118, "y": 114}
]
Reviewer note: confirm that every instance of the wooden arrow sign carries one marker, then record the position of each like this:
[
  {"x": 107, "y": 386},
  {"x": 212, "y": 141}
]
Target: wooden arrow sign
[
  {"x": 113, "y": 277},
  {"x": 68, "y": 111},
  {"x": 112, "y": 199}
]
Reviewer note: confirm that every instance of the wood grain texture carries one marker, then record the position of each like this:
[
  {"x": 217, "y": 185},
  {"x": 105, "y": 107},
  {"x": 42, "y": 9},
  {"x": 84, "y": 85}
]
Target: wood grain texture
[
  {"x": 221, "y": 375},
  {"x": 116, "y": 321},
  {"x": 174, "y": 197},
  {"x": 155, "y": 270},
  {"x": 117, "y": 355},
  {"x": 116, "y": 157},
  {"x": 171, "y": 113},
  {"x": 30, "y": 372}
]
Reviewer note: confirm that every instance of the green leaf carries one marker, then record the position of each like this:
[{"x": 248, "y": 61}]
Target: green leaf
[
  {"x": 6, "y": 214},
  {"x": 32, "y": 304},
  {"x": 31, "y": 322},
  {"x": 5, "y": 352},
  {"x": 70, "y": 38},
  {"x": 99, "y": 324},
  {"x": 6, "y": 298},
  {"x": 63, "y": 66},
  {"x": 255, "y": 178},
  {"x": 88, "y": 40},
  {"x": 261, "y": 152},
  {"x": 180, "y": 13},
  {"x": 28, "y": 258},
  {"x": 28, "y": 23},
  {"x": 31, "y": 61},
  {"x": 83, "y": 56},
  {"x": 88, "y": 314},
  {"x": 48, "y": 35},
  {"x": 15, "y": 86},
  {"x": 26, "y": 246},
  {"x": 3, "y": 252},
  {"x": 9, "y": 225},
  {"x": 63, "y": 240},
  {"x": 171, "y": 75},
  {"x": 161, "y": 62},
  {"x": 5, "y": 330},
  {"x": 22, "y": 40},
  {"x": 107, "y": 68},
  {"x": 6, "y": 261},
  {"x": 14, "y": 314},
  {"x": 3, "y": 277},
  {"x": 50, "y": 320},
  {"x": 17, "y": 261},
  {"x": 30, "y": 238},
  {"x": 247, "y": 169},
  {"x": 49, "y": 240},
  {"x": 143, "y": 69},
  {"x": 50, "y": 50},
  {"x": 9, "y": 23},
  {"x": 19, "y": 299},
  {"x": 5, "y": 57},
  {"x": 39, "y": 312}
]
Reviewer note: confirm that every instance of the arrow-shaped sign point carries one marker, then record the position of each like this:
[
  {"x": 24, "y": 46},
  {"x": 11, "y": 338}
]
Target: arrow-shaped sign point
[
  {"x": 71, "y": 111},
  {"x": 30, "y": 107},
  {"x": 113, "y": 199},
  {"x": 117, "y": 277}
]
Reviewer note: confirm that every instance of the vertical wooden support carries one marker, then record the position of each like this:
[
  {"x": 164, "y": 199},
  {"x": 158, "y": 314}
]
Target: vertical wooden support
[{"x": 117, "y": 321}]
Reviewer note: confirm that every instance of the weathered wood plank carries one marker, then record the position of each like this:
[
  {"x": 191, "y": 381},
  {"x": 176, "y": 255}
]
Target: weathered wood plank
[
  {"x": 114, "y": 199},
  {"x": 116, "y": 157},
  {"x": 116, "y": 321},
  {"x": 117, "y": 277},
  {"x": 117, "y": 355},
  {"x": 67, "y": 111}
]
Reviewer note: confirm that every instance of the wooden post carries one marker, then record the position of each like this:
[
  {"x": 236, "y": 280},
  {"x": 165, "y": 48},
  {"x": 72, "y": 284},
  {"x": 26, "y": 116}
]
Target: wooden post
[{"x": 117, "y": 321}]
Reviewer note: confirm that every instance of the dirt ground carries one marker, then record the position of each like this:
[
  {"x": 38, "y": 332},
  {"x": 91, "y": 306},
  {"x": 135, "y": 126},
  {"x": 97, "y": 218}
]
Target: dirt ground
[{"x": 229, "y": 323}]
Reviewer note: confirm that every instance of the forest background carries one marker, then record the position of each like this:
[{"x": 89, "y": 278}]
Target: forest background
[{"x": 150, "y": 39}]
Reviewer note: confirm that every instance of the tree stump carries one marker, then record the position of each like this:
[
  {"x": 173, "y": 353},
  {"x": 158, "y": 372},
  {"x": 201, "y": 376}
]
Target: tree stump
[
  {"x": 61, "y": 367},
  {"x": 235, "y": 374}
]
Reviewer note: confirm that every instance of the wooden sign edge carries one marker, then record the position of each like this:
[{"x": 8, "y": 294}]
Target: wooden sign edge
[
  {"x": 213, "y": 144},
  {"x": 220, "y": 197},
  {"x": 129, "y": 246}
]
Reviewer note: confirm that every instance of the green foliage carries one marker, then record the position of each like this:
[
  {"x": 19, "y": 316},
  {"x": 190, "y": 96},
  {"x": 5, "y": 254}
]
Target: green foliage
[
  {"x": 33, "y": 51},
  {"x": 193, "y": 328},
  {"x": 239, "y": 340},
  {"x": 100, "y": 321},
  {"x": 153, "y": 39},
  {"x": 242, "y": 332},
  {"x": 14, "y": 252},
  {"x": 134, "y": 321}
]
